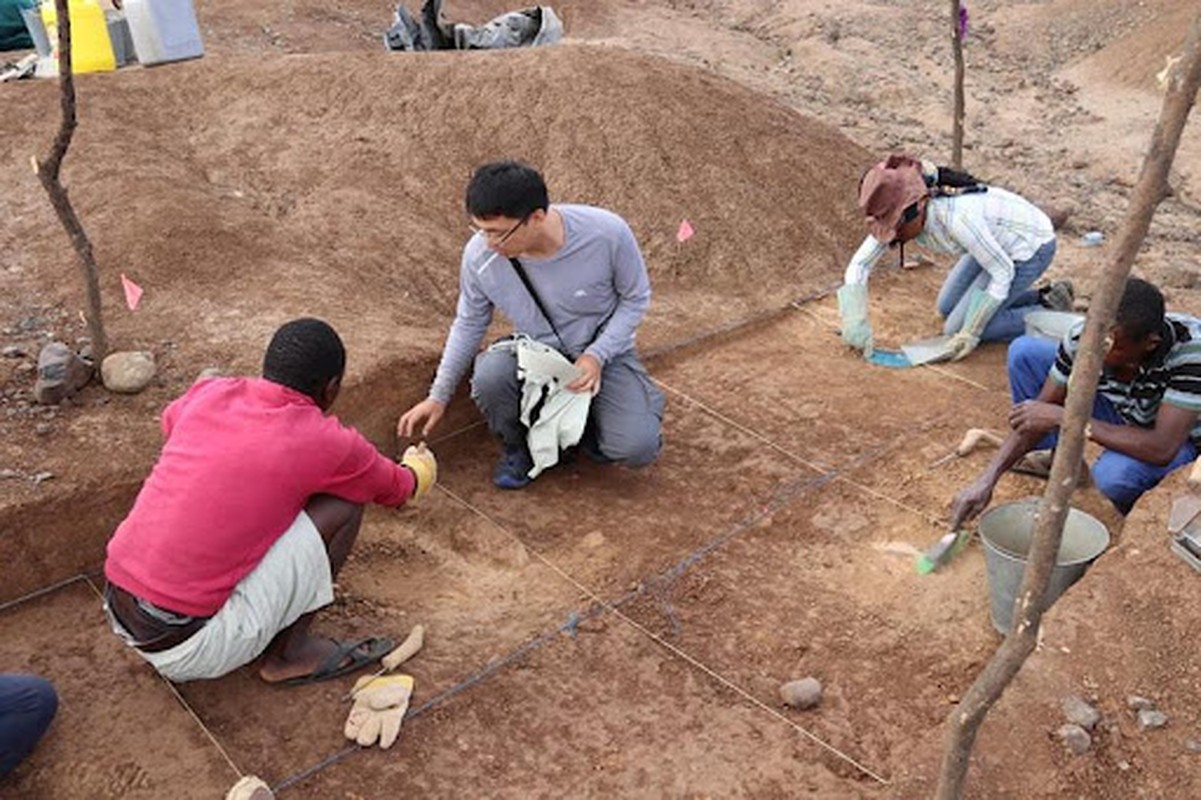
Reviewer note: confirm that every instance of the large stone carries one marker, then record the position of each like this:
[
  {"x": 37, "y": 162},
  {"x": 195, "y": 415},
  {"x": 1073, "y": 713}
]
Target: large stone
[
  {"x": 1080, "y": 713},
  {"x": 802, "y": 694},
  {"x": 61, "y": 373},
  {"x": 128, "y": 372},
  {"x": 1150, "y": 718},
  {"x": 1075, "y": 738}
]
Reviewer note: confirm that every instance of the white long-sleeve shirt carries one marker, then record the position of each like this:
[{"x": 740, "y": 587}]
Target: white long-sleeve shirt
[{"x": 997, "y": 228}]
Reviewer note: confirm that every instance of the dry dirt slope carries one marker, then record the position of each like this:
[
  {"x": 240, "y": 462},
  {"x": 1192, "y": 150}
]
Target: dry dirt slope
[{"x": 239, "y": 192}]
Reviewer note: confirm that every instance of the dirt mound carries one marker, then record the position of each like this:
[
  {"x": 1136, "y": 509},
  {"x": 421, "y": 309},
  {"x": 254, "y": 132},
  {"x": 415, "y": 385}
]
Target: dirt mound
[
  {"x": 1135, "y": 59},
  {"x": 241, "y": 192}
]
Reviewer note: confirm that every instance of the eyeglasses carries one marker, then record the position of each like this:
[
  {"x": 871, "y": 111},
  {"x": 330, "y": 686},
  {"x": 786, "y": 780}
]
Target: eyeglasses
[{"x": 492, "y": 236}]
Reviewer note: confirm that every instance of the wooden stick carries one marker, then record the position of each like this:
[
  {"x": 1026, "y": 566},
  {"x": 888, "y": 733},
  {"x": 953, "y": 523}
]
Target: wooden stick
[
  {"x": 48, "y": 173},
  {"x": 958, "y": 111}
]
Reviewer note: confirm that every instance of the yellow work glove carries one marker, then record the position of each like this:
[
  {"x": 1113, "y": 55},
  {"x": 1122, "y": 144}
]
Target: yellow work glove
[
  {"x": 420, "y": 459},
  {"x": 251, "y": 787},
  {"x": 379, "y": 708}
]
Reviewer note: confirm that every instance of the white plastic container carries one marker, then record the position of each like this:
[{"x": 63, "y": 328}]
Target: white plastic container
[{"x": 163, "y": 30}]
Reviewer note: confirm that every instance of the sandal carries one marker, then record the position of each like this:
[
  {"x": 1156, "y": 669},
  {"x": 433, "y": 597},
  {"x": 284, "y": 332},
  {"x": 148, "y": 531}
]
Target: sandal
[{"x": 348, "y": 657}]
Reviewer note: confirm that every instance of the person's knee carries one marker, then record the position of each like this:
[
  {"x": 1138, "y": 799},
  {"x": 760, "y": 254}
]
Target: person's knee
[
  {"x": 1021, "y": 353},
  {"x": 633, "y": 448},
  {"x": 1120, "y": 480},
  {"x": 495, "y": 373},
  {"x": 332, "y": 515}
]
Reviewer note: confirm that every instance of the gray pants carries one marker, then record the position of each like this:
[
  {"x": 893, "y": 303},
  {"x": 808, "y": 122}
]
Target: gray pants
[{"x": 626, "y": 416}]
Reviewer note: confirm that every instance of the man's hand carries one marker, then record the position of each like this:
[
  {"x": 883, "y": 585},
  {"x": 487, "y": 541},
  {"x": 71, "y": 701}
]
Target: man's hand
[
  {"x": 429, "y": 411},
  {"x": 1031, "y": 416},
  {"x": 970, "y": 502},
  {"x": 590, "y": 375}
]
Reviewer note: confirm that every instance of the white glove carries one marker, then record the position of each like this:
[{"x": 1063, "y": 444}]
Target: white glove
[{"x": 379, "y": 709}]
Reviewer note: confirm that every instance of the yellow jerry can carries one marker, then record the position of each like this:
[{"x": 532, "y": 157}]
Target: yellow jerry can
[{"x": 91, "y": 49}]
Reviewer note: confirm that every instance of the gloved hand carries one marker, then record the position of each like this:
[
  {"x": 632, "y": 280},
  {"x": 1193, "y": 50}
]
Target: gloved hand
[
  {"x": 379, "y": 708},
  {"x": 250, "y": 787},
  {"x": 852, "y": 307},
  {"x": 420, "y": 459},
  {"x": 981, "y": 307}
]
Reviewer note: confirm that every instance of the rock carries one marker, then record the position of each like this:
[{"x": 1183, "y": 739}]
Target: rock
[
  {"x": 594, "y": 539},
  {"x": 1060, "y": 210},
  {"x": 61, "y": 373},
  {"x": 1150, "y": 718},
  {"x": 128, "y": 372},
  {"x": 1193, "y": 746},
  {"x": 6, "y": 474},
  {"x": 1074, "y": 738},
  {"x": 1136, "y": 703},
  {"x": 12, "y": 351},
  {"x": 41, "y": 477},
  {"x": 804, "y": 693},
  {"x": 43, "y": 429},
  {"x": 210, "y": 372},
  {"x": 1078, "y": 712}
]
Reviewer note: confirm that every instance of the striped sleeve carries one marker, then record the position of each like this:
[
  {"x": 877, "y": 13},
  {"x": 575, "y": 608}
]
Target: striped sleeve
[
  {"x": 864, "y": 259},
  {"x": 1184, "y": 376},
  {"x": 1065, "y": 356},
  {"x": 972, "y": 233}
]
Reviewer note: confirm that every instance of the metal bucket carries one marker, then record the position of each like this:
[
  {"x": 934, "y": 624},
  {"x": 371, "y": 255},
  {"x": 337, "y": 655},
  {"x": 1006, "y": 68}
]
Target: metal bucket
[
  {"x": 1007, "y": 531},
  {"x": 1052, "y": 325}
]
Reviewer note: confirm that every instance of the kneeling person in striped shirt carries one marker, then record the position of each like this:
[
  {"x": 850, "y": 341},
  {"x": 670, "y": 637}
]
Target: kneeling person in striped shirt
[
  {"x": 1145, "y": 414},
  {"x": 253, "y": 506}
]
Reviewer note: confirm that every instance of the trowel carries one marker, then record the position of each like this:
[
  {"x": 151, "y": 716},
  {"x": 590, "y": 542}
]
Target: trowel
[
  {"x": 942, "y": 551},
  {"x": 913, "y": 354}
]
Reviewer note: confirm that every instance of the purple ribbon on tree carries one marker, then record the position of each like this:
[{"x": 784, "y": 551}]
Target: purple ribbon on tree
[{"x": 962, "y": 22}]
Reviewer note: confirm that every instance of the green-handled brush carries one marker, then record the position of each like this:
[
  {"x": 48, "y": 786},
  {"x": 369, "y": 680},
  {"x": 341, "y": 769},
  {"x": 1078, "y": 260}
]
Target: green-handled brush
[{"x": 942, "y": 551}]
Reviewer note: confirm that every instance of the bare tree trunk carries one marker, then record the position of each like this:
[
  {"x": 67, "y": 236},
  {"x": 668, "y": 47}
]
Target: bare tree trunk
[
  {"x": 958, "y": 112},
  {"x": 1152, "y": 187},
  {"x": 48, "y": 172}
]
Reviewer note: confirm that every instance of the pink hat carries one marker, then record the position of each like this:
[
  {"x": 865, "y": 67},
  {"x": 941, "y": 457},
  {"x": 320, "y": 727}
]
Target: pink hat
[{"x": 886, "y": 191}]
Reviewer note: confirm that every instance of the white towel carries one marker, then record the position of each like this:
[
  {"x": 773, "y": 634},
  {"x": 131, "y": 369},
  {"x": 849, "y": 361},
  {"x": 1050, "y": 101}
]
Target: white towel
[{"x": 554, "y": 415}]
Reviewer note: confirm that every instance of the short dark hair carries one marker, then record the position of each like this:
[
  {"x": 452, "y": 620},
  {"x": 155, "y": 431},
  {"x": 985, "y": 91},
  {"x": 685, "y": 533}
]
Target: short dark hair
[
  {"x": 506, "y": 189},
  {"x": 305, "y": 354},
  {"x": 1140, "y": 312}
]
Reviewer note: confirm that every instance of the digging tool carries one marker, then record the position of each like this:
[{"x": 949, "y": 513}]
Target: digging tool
[
  {"x": 973, "y": 438},
  {"x": 942, "y": 551},
  {"x": 407, "y": 649},
  {"x": 889, "y": 358}
]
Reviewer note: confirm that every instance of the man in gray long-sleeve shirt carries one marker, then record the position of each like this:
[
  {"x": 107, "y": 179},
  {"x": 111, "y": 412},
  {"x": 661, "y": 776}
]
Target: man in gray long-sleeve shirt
[{"x": 588, "y": 274}]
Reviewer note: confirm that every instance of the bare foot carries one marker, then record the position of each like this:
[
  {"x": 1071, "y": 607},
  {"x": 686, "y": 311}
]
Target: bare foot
[{"x": 298, "y": 660}]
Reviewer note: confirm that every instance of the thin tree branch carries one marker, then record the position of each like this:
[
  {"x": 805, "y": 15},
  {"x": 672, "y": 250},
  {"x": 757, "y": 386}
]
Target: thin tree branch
[
  {"x": 958, "y": 111},
  {"x": 48, "y": 172}
]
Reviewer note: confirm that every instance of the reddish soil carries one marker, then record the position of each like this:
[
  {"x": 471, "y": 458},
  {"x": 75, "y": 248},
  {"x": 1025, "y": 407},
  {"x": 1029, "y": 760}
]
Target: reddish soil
[{"x": 298, "y": 169}]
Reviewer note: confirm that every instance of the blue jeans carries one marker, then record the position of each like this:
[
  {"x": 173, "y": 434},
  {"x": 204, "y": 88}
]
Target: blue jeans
[
  {"x": 27, "y": 704},
  {"x": 1121, "y": 478},
  {"x": 1010, "y": 320}
]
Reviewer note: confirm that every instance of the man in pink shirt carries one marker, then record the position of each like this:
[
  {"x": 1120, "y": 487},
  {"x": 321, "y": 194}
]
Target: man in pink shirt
[{"x": 253, "y": 506}]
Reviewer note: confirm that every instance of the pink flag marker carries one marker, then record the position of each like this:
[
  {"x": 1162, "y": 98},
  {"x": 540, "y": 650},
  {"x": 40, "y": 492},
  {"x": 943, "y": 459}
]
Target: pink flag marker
[
  {"x": 133, "y": 292},
  {"x": 685, "y": 232}
]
